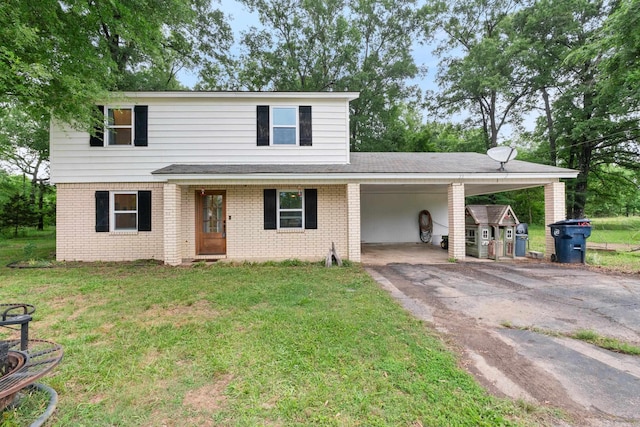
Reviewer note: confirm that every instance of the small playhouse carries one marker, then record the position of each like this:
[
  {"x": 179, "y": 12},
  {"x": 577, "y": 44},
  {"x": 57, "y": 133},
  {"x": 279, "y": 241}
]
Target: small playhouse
[{"x": 490, "y": 231}]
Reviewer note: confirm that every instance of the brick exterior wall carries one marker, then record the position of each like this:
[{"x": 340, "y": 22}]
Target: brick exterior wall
[
  {"x": 457, "y": 248},
  {"x": 554, "y": 210},
  {"x": 172, "y": 238},
  {"x": 247, "y": 240},
  {"x": 76, "y": 236}
]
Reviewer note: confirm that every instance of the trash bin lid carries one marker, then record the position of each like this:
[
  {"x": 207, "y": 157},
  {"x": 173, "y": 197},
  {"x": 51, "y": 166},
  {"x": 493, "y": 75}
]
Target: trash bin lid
[
  {"x": 579, "y": 221},
  {"x": 522, "y": 228}
]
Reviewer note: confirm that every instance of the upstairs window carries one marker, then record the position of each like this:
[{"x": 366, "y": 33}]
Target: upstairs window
[
  {"x": 119, "y": 126},
  {"x": 284, "y": 126}
]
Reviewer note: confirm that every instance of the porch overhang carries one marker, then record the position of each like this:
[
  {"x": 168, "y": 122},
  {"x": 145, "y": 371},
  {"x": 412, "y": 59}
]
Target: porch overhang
[{"x": 455, "y": 175}]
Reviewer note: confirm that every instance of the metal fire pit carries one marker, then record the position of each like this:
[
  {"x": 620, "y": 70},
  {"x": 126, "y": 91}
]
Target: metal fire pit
[{"x": 22, "y": 361}]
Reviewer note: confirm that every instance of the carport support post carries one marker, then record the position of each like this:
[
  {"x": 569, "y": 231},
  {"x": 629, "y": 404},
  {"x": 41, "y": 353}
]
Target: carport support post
[
  {"x": 353, "y": 221},
  {"x": 172, "y": 202},
  {"x": 456, "y": 221},
  {"x": 554, "y": 211}
]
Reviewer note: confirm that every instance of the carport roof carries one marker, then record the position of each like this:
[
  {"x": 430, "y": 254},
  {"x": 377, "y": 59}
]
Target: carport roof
[{"x": 385, "y": 164}]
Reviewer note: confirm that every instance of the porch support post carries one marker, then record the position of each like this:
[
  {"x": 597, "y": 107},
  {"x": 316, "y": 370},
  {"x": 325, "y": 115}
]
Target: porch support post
[
  {"x": 554, "y": 210},
  {"x": 172, "y": 203},
  {"x": 353, "y": 221},
  {"x": 456, "y": 221}
]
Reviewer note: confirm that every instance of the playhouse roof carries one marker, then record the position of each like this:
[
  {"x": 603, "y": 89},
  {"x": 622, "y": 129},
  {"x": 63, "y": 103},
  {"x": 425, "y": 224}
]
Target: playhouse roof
[{"x": 492, "y": 214}]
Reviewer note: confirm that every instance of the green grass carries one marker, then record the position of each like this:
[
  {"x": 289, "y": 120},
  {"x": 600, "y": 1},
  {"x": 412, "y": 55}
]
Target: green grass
[
  {"x": 272, "y": 344},
  {"x": 589, "y": 336},
  {"x": 622, "y": 234},
  {"x": 606, "y": 342}
]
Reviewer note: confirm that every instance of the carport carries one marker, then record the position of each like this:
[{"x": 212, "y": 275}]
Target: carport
[{"x": 397, "y": 186}]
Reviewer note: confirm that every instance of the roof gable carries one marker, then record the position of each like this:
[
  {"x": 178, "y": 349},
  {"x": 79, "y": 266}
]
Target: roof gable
[{"x": 499, "y": 215}]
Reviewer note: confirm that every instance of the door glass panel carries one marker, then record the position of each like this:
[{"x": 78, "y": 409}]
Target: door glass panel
[{"x": 212, "y": 214}]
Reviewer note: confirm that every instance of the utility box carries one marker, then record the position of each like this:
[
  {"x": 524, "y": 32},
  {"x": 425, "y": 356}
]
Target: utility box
[
  {"x": 570, "y": 238},
  {"x": 522, "y": 236}
]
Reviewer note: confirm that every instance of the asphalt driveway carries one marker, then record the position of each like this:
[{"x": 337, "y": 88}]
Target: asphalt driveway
[{"x": 494, "y": 312}]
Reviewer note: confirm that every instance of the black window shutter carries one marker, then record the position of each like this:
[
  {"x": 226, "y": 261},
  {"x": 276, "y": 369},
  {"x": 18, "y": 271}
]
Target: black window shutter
[
  {"x": 304, "y": 117},
  {"x": 97, "y": 139},
  {"x": 270, "y": 209},
  {"x": 263, "y": 125},
  {"x": 102, "y": 211},
  {"x": 140, "y": 113},
  {"x": 144, "y": 210},
  {"x": 310, "y": 209}
]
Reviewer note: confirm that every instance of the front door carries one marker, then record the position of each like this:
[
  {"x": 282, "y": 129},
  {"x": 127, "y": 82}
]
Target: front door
[{"x": 211, "y": 227}]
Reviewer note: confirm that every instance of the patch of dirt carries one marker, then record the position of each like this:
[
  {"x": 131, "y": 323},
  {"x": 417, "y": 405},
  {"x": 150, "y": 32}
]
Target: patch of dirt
[
  {"x": 468, "y": 338},
  {"x": 178, "y": 315},
  {"x": 210, "y": 397}
]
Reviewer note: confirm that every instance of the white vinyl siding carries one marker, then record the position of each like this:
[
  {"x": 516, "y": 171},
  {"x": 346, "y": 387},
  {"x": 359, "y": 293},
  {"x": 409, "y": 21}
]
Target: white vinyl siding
[{"x": 198, "y": 131}]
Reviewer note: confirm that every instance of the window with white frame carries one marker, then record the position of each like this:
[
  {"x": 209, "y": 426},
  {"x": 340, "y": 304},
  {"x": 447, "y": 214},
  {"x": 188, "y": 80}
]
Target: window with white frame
[
  {"x": 284, "y": 125},
  {"x": 509, "y": 234},
  {"x": 485, "y": 234},
  {"x": 125, "y": 211},
  {"x": 120, "y": 126},
  {"x": 290, "y": 209}
]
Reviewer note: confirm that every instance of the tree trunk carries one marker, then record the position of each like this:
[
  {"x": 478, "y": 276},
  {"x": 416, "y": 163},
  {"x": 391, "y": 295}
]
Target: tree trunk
[
  {"x": 553, "y": 152},
  {"x": 492, "y": 117},
  {"x": 41, "y": 207}
]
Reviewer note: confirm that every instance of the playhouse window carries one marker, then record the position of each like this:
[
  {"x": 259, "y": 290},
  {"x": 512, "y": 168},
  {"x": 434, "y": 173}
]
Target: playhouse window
[
  {"x": 470, "y": 236},
  {"x": 485, "y": 234}
]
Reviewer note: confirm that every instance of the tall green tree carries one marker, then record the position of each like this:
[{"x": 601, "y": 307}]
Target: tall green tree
[
  {"x": 621, "y": 38},
  {"x": 16, "y": 213},
  {"x": 354, "y": 45},
  {"x": 24, "y": 150},
  {"x": 587, "y": 122},
  {"x": 480, "y": 71},
  {"x": 57, "y": 57}
]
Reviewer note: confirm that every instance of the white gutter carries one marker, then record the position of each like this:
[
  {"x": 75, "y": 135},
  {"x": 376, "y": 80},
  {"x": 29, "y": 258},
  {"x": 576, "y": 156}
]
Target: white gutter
[
  {"x": 375, "y": 177},
  {"x": 262, "y": 95}
]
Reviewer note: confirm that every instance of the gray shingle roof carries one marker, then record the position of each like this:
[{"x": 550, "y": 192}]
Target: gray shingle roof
[
  {"x": 490, "y": 214},
  {"x": 383, "y": 163}
]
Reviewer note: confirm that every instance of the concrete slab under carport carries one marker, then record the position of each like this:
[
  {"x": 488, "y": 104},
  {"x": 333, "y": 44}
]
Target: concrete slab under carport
[
  {"x": 409, "y": 253},
  {"x": 389, "y": 208}
]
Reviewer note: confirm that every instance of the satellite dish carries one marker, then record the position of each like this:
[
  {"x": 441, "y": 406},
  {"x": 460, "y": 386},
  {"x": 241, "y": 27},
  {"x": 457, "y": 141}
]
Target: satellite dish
[{"x": 502, "y": 155}]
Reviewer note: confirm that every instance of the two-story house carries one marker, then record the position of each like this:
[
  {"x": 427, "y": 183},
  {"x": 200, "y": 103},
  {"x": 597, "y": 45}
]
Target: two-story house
[{"x": 178, "y": 176}]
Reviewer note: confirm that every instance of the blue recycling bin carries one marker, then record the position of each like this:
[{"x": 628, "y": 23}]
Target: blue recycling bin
[{"x": 570, "y": 238}]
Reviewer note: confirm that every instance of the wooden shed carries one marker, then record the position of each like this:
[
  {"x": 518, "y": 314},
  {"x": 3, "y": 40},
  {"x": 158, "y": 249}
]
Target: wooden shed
[{"x": 490, "y": 231}]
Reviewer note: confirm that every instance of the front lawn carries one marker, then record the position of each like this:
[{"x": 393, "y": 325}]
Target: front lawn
[{"x": 213, "y": 344}]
